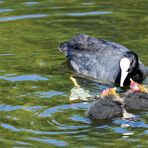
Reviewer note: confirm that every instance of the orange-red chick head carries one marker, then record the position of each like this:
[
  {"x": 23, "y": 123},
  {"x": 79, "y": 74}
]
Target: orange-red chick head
[
  {"x": 136, "y": 87},
  {"x": 109, "y": 91}
]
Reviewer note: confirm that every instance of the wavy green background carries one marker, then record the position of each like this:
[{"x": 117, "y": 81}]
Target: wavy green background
[{"x": 35, "y": 110}]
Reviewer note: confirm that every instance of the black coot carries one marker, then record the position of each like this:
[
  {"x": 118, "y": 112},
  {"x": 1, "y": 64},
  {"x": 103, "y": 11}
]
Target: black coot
[
  {"x": 106, "y": 106},
  {"x": 109, "y": 104},
  {"x": 103, "y": 60},
  {"x": 136, "y": 101},
  {"x": 136, "y": 98}
]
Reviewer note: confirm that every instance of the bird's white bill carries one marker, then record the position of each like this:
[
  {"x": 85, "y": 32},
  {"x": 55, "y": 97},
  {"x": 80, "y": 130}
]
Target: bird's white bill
[
  {"x": 124, "y": 65},
  {"x": 123, "y": 77}
]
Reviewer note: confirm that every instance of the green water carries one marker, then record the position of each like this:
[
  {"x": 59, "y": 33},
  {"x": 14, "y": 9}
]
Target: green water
[{"x": 35, "y": 85}]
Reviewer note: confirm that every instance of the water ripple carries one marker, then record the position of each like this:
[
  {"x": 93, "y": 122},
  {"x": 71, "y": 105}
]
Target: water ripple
[
  {"x": 12, "y": 128},
  {"x": 9, "y": 107},
  {"x": 31, "y": 3},
  {"x": 26, "y": 107},
  {"x": 121, "y": 130},
  {"x": 87, "y": 13},
  {"x": 50, "y": 94},
  {"x": 75, "y": 106},
  {"x": 38, "y": 132},
  {"x": 29, "y": 16},
  {"x": 6, "y": 54},
  {"x": 69, "y": 127},
  {"x": 79, "y": 118},
  {"x": 23, "y": 143},
  {"x": 138, "y": 124},
  {"x": 5, "y": 10},
  {"x": 51, "y": 141},
  {"x": 146, "y": 132},
  {"x": 89, "y": 3},
  {"x": 33, "y": 77}
]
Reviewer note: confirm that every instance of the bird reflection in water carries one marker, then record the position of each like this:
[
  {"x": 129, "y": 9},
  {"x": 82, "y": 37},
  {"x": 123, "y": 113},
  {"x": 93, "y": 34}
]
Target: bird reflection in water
[{"x": 78, "y": 92}]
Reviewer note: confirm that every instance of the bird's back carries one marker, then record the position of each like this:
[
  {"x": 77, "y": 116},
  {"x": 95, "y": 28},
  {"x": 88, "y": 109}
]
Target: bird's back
[{"x": 94, "y": 57}]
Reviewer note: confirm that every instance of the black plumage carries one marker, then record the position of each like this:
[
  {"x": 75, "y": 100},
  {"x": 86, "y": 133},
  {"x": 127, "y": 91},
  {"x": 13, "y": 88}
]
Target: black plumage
[
  {"x": 111, "y": 106},
  {"x": 135, "y": 100},
  {"x": 105, "y": 108},
  {"x": 100, "y": 59}
]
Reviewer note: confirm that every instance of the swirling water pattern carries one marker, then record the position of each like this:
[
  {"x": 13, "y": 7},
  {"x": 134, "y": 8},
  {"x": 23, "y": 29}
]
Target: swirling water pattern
[{"x": 35, "y": 109}]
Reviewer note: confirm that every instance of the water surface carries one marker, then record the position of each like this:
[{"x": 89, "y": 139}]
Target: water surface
[{"x": 35, "y": 106}]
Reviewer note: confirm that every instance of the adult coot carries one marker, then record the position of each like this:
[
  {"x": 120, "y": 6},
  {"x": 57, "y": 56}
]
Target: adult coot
[{"x": 103, "y": 60}]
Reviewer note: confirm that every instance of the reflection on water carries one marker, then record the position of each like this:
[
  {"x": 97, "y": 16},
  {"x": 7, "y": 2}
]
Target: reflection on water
[
  {"x": 53, "y": 110},
  {"x": 32, "y": 77},
  {"x": 35, "y": 90},
  {"x": 5, "y": 10},
  {"x": 49, "y": 94},
  {"x": 10, "y": 127},
  {"x": 51, "y": 141},
  {"x": 88, "y": 3},
  {"x": 87, "y": 13},
  {"x": 31, "y": 3},
  {"x": 8, "y": 107},
  {"x": 79, "y": 93},
  {"x": 30, "y": 16}
]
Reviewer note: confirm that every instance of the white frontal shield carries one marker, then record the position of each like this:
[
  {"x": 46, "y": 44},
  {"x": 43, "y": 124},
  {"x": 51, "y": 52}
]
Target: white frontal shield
[{"x": 124, "y": 65}]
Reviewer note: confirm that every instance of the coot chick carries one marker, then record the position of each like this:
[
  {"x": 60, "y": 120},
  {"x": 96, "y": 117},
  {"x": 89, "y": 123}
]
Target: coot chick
[
  {"x": 106, "y": 106},
  {"x": 103, "y": 60},
  {"x": 136, "y": 98}
]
